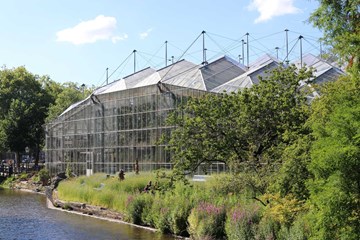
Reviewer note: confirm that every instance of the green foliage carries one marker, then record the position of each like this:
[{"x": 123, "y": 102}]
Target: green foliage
[
  {"x": 135, "y": 206},
  {"x": 8, "y": 182},
  {"x": 293, "y": 173},
  {"x": 242, "y": 222},
  {"x": 160, "y": 214},
  {"x": 268, "y": 228},
  {"x": 339, "y": 20},
  {"x": 23, "y": 109},
  {"x": 335, "y": 153},
  {"x": 299, "y": 230},
  {"x": 64, "y": 96},
  {"x": 247, "y": 130},
  {"x": 207, "y": 221},
  {"x": 102, "y": 191},
  {"x": 68, "y": 170},
  {"x": 283, "y": 210}
]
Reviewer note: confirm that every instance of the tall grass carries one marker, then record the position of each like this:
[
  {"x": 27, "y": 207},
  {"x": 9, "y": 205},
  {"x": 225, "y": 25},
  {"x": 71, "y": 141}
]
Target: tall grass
[
  {"x": 104, "y": 191},
  {"x": 215, "y": 209}
]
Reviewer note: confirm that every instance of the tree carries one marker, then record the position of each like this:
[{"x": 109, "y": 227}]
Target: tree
[
  {"x": 64, "y": 95},
  {"x": 293, "y": 173},
  {"x": 340, "y": 21},
  {"x": 335, "y": 161},
  {"x": 246, "y": 130},
  {"x": 23, "y": 108}
]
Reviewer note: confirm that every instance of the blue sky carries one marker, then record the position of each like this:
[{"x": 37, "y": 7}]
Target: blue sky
[{"x": 76, "y": 40}]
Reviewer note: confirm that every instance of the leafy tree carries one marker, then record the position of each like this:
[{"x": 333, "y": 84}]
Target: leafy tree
[
  {"x": 293, "y": 173},
  {"x": 246, "y": 130},
  {"x": 340, "y": 21},
  {"x": 64, "y": 95},
  {"x": 23, "y": 108},
  {"x": 335, "y": 161}
]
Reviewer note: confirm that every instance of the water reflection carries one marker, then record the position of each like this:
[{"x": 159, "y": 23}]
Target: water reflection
[{"x": 25, "y": 216}]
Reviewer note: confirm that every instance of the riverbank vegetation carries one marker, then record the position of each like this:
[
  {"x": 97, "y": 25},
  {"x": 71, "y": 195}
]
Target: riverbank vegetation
[{"x": 34, "y": 180}]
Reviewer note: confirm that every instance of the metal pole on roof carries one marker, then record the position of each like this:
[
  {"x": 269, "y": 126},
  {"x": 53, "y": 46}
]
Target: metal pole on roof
[
  {"x": 166, "y": 59},
  {"x": 172, "y": 59},
  {"x": 107, "y": 76},
  {"x": 301, "y": 56},
  {"x": 242, "y": 46},
  {"x": 239, "y": 58},
  {"x": 287, "y": 46},
  {"x": 205, "y": 54},
  {"x": 204, "y": 49},
  {"x": 247, "y": 48},
  {"x": 134, "y": 52},
  {"x": 320, "y": 49},
  {"x": 277, "y": 52}
]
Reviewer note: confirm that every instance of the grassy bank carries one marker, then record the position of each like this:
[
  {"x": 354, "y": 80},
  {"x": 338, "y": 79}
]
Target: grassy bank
[
  {"x": 34, "y": 181},
  {"x": 216, "y": 209}
]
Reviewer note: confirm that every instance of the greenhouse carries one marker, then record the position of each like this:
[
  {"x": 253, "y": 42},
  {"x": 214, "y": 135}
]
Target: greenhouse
[{"x": 119, "y": 126}]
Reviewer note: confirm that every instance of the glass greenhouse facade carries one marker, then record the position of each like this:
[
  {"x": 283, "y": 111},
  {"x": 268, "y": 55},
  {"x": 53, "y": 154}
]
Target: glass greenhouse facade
[
  {"x": 119, "y": 126},
  {"x": 115, "y": 131}
]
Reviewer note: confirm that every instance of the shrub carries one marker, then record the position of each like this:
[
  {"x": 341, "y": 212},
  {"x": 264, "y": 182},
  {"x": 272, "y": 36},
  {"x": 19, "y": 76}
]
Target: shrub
[
  {"x": 135, "y": 205},
  {"x": 206, "y": 221},
  {"x": 179, "y": 217},
  {"x": 300, "y": 230},
  {"x": 283, "y": 210},
  {"x": 160, "y": 214},
  {"x": 146, "y": 215},
  {"x": 268, "y": 229},
  {"x": 242, "y": 222},
  {"x": 43, "y": 176},
  {"x": 181, "y": 201}
]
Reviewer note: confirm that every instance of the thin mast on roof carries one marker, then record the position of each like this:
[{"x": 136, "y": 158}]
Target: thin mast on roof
[
  {"x": 247, "y": 48},
  {"x": 204, "y": 49},
  {"x": 107, "y": 76},
  {"x": 277, "y": 52},
  {"x": 134, "y": 52},
  {"x": 242, "y": 46},
  {"x": 287, "y": 46},
  {"x": 301, "y": 57},
  {"x": 166, "y": 59}
]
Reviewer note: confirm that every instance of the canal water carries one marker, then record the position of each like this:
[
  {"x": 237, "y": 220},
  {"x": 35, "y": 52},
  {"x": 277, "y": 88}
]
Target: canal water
[{"x": 25, "y": 216}]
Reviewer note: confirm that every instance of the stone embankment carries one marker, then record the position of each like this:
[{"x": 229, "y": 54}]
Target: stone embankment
[{"x": 84, "y": 208}]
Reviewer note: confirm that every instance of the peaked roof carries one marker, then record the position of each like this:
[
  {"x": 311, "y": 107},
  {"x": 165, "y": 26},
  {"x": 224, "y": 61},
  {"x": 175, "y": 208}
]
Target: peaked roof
[
  {"x": 251, "y": 77},
  {"x": 182, "y": 73},
  {"x": 324, "y": 71},
  {"x": 223, "y": 74}
]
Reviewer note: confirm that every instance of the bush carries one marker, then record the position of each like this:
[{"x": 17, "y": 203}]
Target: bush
[
  {"x": 268, "y": 229},
  {"x": 206, "y": 221},
  {"x": 181, "y": 201},
  {"x": 283, "y": 210},
  {"x": 43, "y": 176},
  {"x": 242, "y": 222},
  {"x": 135, "y": 205},
  {"x": 179, "y": 217},
  {"x": 160, "y": 214}
]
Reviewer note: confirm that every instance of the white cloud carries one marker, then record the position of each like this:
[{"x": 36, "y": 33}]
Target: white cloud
[
  {"x": 100, "y": 28},
  {"x": 144, "y": 35},
  {"x": 119, "y": 38},
  {"x": 272, "y": 8}
]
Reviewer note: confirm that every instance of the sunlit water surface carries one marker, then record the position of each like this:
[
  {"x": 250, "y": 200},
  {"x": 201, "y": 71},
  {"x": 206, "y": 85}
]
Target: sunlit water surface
[{"x": 26, "y": 216}]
